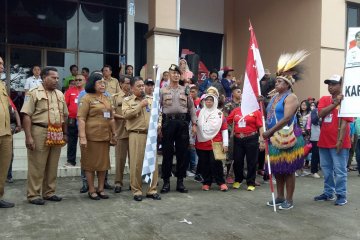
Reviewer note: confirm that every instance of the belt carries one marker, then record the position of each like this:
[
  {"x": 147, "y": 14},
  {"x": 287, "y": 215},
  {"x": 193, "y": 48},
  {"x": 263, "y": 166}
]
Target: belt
[
  {"x": 244, "y": 135},
  {"x": 40, "y": 125},
  {"x": 173, "y": 116},
  {"x": 139, "y": 132}
]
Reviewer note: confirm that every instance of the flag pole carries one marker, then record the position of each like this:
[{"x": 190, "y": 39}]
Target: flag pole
[{"x": 262, "y": 108}]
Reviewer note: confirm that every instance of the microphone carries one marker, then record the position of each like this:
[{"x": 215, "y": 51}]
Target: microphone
[{"x": 143, "y": 97}]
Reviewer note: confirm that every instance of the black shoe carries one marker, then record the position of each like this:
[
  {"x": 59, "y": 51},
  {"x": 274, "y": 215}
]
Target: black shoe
[
  {"x": 4, "y": 204},
  {"x": 54, "y": 198},
  {"x": 180, "y": 186},
  {"x": 138, "y": 198},
  {"x": 102, "y": 195},
  {"x": 108, "y": 186},
  {"x": 117, "y": 189},
  {"x": 166, "y": 186},
  {"x": 154, "y": 196},
  {"x": 37, "y": 201},
  {"x": 84, "y": 189},
  {"x": 92, "y": 196}
]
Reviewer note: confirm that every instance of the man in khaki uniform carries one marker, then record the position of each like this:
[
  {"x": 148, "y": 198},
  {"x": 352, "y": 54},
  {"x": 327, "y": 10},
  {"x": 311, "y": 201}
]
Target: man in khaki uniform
[
  {"x": 122, "y": 146},
  {"x": 136, "y": 111},
  {"x": 43, "y": 105},
  {"x": 112, "y": 84},
  {"x": 5, "y": 139}
]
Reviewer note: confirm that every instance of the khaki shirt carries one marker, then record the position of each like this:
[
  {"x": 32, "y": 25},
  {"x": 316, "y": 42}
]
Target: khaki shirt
[
  {"x": 174, "y": 100},
  {"x": 4, "y": 111},
  {"x": 118, "y": 99},
  {"x": 112, "y": 86},
  {"x": 137, "y": 118},
  {"x": 97, "y": 112},
  {"x": 42, "y": 106}
]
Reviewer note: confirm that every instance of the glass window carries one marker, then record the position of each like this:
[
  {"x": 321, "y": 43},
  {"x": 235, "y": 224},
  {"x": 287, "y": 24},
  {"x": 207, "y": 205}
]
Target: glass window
[
  {"x": 352, "y": 17},
  {"x": 62, "y": 62},
  {"x": 43, "y": 23},
  {"x": 93, "y": 61},
  {"x": 101, "y": 29},
  {"x": 113, "y": 3}
]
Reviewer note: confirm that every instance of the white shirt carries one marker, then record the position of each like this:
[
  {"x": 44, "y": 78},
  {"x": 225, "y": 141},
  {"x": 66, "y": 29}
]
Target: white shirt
[{"x": 32, "y": 82}]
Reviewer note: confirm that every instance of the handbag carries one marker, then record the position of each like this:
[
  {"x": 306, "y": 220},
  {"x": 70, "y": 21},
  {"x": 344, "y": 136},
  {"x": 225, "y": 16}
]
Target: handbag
[
  {"x": 284, "y": 138},
  {"x": 217, "y": 148},
  {"x": 55, "y": 135}
]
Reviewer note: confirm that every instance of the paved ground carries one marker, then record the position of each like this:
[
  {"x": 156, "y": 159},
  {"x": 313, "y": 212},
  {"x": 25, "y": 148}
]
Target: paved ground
[{"x": 236, "y": 214}]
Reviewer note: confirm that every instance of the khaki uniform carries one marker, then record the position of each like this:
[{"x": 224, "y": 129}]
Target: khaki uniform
[
  {"x": 137, "y": 123},
  {"x": 122, "y": 146},
  {"x": 97, "y": 112},
  {"x": 5, "y": 137},
  {"x": 112, "y": 86},
  {"x": 43, "y": 160}
]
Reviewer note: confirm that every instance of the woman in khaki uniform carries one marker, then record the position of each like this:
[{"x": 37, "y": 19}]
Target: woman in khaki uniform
[{"x": 96, "y": 133}]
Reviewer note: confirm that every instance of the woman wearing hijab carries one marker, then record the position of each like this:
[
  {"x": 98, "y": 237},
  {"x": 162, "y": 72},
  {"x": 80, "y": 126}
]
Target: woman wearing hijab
[{"x": 211, "y": 127}]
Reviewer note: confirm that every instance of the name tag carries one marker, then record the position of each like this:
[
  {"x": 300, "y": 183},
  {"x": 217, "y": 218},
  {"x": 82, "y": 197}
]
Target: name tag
[
  {"x": 242, "y": 123},
  {"x": 328, "y": 118},
  {"x": 76, "y": 100},
  {"x": 106, "y": 114}
]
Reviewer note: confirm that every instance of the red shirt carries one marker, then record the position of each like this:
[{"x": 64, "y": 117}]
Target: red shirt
[
  {"x": 218, "y": 137},
  {"x": 330, "y": 125},
  {"x": 12, "y": 104},
  {"x": 196, "y": 102},
  {"x": 249, "y": 124},
  {"x": 71, "y": 99}
]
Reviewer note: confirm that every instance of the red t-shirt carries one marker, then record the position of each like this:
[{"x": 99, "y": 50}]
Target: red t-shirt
[
  {"x": 330, "y": 125},
  {"x": 250, "y": 123},
  {"x": 218, "y": 138},
  {"x": 71, "y": 99},
  {"x": 196, "y": 102}
]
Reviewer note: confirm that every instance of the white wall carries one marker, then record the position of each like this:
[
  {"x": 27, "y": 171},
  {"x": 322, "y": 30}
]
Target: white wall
[{"x": 201, "y": 15}]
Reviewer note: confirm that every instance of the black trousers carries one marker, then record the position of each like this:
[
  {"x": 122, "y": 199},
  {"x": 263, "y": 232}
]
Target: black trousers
[
  {"x": 315, "y": 157},
  {"x": 175, "y": 131},
  {"x": 210, "y": 168},
  {"x": 249, "y": 147},
  {"x": 72, "y": 141}
]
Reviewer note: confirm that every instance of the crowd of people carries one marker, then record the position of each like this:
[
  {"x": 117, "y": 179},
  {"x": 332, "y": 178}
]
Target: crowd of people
[{"x": 201, "y": 124}]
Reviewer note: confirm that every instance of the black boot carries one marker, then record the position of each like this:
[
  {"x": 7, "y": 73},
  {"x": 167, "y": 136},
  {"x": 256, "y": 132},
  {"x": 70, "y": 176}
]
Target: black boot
[
  {"x": 166, "y": 186},
  {"x": 180, "y": 186}
]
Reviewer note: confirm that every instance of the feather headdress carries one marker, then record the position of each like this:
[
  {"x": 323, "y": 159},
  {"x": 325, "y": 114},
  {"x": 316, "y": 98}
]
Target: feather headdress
[{"x": 289, "y": 66}]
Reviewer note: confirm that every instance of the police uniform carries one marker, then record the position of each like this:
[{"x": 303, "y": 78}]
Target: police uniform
[
  {"x": 137, "y": 123},
  {"x": 122, "y": 146},
  {"x": 177, "y": 110},
  {"x": 42, "y": 106},
  {"x": 5, "y": 137},
  {"x": 112, "y": 85},
  {"x": 97, "y": 112}
]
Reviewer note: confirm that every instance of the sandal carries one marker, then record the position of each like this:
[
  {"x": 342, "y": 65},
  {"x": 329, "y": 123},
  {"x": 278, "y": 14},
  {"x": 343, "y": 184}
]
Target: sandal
[
  {"x": 101, "y": 194},
  {"x": 93, "y": 196}
]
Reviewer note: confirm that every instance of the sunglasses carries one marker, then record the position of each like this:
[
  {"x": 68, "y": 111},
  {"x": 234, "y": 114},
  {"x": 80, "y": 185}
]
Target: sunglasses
[{"x": 79, "y": 80}]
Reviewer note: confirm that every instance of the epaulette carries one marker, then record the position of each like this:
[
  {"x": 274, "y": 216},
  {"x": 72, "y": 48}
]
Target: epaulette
[
  {"x": 32, "y": 89},
  {"x": 127, "y": 98}
]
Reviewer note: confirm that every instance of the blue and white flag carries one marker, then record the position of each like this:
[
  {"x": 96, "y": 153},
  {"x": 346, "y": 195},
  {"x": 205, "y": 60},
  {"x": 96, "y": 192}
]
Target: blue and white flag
[{"x": 151, "y": 141}]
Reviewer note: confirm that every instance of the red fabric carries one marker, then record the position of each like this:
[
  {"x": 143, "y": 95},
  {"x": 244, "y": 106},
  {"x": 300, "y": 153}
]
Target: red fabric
[
  {"x": 253, "y": 121},
  {"x": 71, "y": 95},
  {"x": 329, "y": 131},
  {"x": 218, "y": 138},
  {"x": 12, "y": 104},
  {"x": 196, "y": 102}
]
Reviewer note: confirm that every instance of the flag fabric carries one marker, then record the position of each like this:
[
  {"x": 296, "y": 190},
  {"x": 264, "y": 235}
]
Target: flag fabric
[
  {"x": 253, "y": 74},
  {"x": 150, "y": 162}
]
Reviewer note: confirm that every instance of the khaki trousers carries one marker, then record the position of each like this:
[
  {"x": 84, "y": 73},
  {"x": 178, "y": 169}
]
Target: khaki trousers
[
  {"x": 121, "y": 152},
  {"x": 42, "y": 166},
  {"x": 137, "y": 143},
  {"x": 5, "y": 159}
]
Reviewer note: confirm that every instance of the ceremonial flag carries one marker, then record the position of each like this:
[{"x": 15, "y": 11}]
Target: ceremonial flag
[
  {"x": 151, "y": 141},
  {"x": 253, "y": 74}
]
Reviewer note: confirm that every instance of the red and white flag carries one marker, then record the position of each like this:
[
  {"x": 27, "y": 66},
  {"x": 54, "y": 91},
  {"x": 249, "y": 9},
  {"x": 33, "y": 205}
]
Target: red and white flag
[{"x": 253, "y": 74}]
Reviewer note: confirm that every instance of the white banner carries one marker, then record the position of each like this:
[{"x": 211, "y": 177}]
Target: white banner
[{"x": 350, "y": 105}]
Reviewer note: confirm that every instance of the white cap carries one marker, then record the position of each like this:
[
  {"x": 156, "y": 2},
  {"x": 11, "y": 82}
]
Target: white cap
[{"x": 335, "y": 78}]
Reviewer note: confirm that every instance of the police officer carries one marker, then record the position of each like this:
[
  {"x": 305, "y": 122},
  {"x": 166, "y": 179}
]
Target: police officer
[
  {"x": 122, "y": 146},
  {"x": 5, "y": 139},
  {"x": 177, "y": 110},
  {"x": 43, "y": 106},
  {"x": 136, "y": 110}
]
